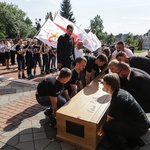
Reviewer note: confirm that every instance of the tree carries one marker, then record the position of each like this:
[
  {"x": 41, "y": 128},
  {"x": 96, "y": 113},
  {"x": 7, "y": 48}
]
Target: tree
[
  {"x": 110, "y": 38},
  {"x": 49, "y": 15},
  {"x": 66, "y": 11},
  {"x": 13, "y": 21},
  {"x": 96, "y": 26},
  {"x": 129, "y": 40}
]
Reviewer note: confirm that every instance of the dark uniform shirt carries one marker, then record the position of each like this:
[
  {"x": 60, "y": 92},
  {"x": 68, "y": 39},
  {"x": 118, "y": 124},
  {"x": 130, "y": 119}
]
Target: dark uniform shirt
[
  {"x": 124, "y": 107},
  {"x": 19, "y": 48},
  {"x": 50, "y": 87},
  {"x": 36, "y": 48},
  {"x": 29, "y": 52},
  {"x": 91, "y": 63},
  {"x": 65, "y": 50}
]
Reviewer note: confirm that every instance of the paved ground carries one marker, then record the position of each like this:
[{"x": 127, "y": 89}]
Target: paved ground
[{"x": 23, "y": 125}]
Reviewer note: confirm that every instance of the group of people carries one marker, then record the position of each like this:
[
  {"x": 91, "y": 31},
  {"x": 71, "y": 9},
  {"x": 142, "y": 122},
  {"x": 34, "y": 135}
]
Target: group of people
[
  {"x": 7, "y": 52},
  {"x": 28, "y": 56},
  {"x": 127, "y": 80}
]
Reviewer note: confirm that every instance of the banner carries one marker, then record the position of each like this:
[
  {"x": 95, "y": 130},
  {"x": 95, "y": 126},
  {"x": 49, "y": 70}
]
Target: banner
[
  {"x": 50, "y": 33},
  {"x": 95, "y": 41}
]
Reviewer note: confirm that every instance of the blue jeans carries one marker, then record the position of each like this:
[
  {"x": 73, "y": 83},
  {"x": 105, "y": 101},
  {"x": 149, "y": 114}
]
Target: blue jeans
[
  {"x": 45, "y": 101},
  {"x": 21, "y": 64}
]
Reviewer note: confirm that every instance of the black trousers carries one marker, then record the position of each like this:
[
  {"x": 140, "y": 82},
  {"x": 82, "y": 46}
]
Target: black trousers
[
  {"x": 12, "y": 56},
  {"x": 2, "y": 58},
  {"x": 29, "y": 63},
  {"x": 45, "y": 64},
  {"x": 116, "y": 130}
]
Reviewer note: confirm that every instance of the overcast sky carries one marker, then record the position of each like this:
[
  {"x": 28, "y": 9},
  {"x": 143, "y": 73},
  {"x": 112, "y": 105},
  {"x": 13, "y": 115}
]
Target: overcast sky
[{"x": 119, "y": 16}]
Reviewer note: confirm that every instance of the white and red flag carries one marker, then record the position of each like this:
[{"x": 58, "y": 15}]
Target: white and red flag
[{"x": 50, "y": 33}]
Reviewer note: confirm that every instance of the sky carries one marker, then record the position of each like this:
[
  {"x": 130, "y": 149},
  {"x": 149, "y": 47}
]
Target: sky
[{"x": 119, "y": 16}]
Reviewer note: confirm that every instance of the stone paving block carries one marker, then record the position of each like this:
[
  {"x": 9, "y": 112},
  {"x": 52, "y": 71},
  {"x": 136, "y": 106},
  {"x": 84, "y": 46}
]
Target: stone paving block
[
  {"x": 26, "y": 124},
  {"x": 38, "y": 129},
  {"x": 35, "y": 123},
  {"x": 67, "y": 146},
  {"x": 9, "y": 148},
  {"x": 26, "y": 130},
  {"x": 41, "y": 144},
  {"x": 53, "y": 146},
  {"x": 26, "y": 137},
  {"x": 26, "y": 146},
  {"x": 11, "y": 140},
  {"x": 39, "y": 135},
  {"x": 11, "y": 133},
  {"x": 2, "y": 144}
]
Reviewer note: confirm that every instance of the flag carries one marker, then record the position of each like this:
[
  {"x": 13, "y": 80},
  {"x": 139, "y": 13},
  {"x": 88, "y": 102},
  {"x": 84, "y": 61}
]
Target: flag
[
  {"x": 95, "y": 41},
  {"x": 62, "y": 23},
  {"x": 50, "y": 33},
  {"x": 78, "y": 33}
]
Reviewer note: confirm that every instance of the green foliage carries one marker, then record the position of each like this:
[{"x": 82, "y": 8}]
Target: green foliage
[
  {"x": 129, "y": 39},
  {"x": 136, "y": 43},
  {"x": 49, "y": 15},
  {"x": 66, "y": 11},
  {"x": 96, "y": 25},
  {"x": 13, "y": 21}
]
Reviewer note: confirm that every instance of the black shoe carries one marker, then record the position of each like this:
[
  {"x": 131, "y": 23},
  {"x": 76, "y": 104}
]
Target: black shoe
[
  {"x": 52, "y": 121},
  {"x": 23, "y": 76},
  {"x": 19, "y": 76},
  {"x": 48, "y": 111},
  {"x": 47, "y": 72}
]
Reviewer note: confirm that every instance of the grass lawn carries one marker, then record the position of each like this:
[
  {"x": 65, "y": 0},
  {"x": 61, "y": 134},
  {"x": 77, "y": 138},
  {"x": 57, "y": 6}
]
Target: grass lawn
[{"x": 140, "y": 51}]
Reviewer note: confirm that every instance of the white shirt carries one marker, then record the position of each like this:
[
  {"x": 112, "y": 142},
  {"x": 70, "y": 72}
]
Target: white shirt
[
  {"x": 78, "y": 52},
  {"x": 126, "y": 50},
  {"x": 2, "y": 48}
]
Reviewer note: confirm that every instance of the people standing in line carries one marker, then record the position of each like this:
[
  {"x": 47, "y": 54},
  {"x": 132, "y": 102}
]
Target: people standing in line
[
  {"x": 20, "y": 50},
  {"x": 29, "y": 59},
  {"x": 12, "y": 52},
  {"x": 120, "y": 46},
  {"x": 126, "y": 120},
  {"x": 7, "y": 54},
  {"x": 2, "y": 53},
  {"x": 65, "y": 49},
  {"x": 44, "y": 50},
  {"x": 138, "y": 84},
  {"x": 49, "y": 93},
  {"x": 36, "y": 56}
]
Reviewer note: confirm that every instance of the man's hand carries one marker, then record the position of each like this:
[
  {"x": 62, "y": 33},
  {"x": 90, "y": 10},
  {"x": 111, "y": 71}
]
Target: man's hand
[{"x": 59, "y": 65}]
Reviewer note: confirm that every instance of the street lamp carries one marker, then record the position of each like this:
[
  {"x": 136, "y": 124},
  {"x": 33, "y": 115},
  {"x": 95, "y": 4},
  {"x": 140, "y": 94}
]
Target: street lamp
[{"x": 37, "y": 22}]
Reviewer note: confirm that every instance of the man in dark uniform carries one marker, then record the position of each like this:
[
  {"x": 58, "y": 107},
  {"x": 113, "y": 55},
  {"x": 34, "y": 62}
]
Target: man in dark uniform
[
  {"x": 50, "y": 89},
  {"x": 94, "y": 64},
  {"x": 126, "y": 120},
  {"x": 65, "y": 49},
  {"x": 75, "y": 84},
  {"x": 139, "y": 62},
  {"x": 138, "y": 84}
]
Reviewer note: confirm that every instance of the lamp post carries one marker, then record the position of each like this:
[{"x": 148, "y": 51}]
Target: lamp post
[
  {"x": 37, "y": 22},
  {"x": 18, "y": 33}
]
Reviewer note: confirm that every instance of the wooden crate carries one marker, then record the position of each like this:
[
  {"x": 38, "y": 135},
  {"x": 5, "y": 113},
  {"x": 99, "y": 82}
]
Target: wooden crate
[{"x": 79, "y": 120}]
